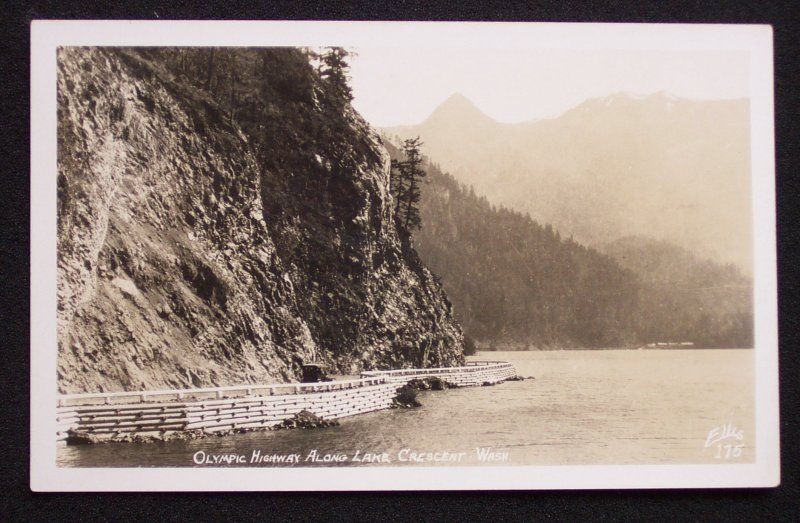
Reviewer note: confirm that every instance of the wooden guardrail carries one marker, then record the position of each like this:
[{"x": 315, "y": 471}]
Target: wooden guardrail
[
  {"x": 473, "y": 366},
  {"x": 367, "y": 378},
  {"x": 109, "y": 398}
]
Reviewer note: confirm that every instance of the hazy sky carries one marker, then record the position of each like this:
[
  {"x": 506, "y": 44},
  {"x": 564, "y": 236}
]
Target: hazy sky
[{"x": 394, "y": 86}]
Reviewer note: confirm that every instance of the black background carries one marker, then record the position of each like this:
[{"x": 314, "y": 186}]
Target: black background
[{"x": 18, "y": 502}]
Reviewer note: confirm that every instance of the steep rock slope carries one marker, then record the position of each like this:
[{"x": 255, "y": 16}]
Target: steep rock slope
[{"x": 184, "y": 259}]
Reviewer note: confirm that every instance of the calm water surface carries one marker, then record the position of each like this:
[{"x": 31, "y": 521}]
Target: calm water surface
[{"x": 584, "y": 407}]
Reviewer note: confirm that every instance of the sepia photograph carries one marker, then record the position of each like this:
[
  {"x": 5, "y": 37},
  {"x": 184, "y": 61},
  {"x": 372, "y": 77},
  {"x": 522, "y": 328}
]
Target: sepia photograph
[{"x": 487, "y": 255}]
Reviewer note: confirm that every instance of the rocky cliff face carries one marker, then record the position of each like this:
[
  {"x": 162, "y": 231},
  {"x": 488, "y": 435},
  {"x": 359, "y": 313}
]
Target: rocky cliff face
[{"x": 185, "y": 259}]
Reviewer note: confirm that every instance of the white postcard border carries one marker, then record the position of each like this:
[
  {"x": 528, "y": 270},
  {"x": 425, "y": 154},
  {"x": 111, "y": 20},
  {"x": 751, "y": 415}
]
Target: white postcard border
[{"x": 46, "y": 36}]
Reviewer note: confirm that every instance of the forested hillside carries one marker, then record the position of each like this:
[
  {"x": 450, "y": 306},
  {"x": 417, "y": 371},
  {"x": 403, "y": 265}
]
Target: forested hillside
[
  {"x": 686, "y": 297},
  {"x": 512, "y": 279}
]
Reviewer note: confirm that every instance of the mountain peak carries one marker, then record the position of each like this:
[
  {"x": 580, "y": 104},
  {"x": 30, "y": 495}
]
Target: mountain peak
[
  {"x": 457, "y": 99},
  {"x": 457, "y": 109},
  {"x": 628, "y": 98}
]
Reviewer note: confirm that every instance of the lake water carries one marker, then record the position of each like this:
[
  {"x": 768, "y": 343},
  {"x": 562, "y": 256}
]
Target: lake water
[{"x": 583, "y": 407}]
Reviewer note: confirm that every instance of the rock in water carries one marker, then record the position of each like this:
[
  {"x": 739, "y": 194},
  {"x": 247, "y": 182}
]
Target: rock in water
[
  {"x": 79, "y": 438},
  {"x": 306, "y": 420},
  {"x": 197, "y": 250},
  {"x": 407, "y": 397},
  {"x": 432, "y": 383}
]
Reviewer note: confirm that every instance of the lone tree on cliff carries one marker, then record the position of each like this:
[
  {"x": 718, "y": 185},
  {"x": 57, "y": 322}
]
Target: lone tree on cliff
[
  {"x": 407, "y": 176},
  {"x": 334, "y": 72}
]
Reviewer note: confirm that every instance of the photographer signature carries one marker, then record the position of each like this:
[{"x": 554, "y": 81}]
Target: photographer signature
[{"x": 727, "y": 439}]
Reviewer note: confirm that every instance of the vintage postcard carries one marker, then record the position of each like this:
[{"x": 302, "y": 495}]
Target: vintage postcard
[{"x": 402, "y": 256}]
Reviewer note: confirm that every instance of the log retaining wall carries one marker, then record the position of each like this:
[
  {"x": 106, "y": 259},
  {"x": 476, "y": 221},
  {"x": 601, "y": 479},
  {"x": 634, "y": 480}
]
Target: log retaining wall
[
  {"x": 160, "y": 413},
  {"x": 473, "y": 374}
]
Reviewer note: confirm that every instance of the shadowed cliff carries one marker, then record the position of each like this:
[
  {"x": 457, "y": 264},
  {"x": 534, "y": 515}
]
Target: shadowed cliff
[{"x": 205, "y": 244}]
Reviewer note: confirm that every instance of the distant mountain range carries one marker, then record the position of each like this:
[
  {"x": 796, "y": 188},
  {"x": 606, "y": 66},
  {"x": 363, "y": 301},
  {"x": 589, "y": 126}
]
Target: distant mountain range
[
  {"x": 513, "y": 280},
  {"x": 656, "y": 166}
]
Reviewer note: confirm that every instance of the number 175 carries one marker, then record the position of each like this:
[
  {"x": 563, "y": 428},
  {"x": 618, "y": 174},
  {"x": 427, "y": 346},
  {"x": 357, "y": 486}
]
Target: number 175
[{"x": 728, "y": 451}]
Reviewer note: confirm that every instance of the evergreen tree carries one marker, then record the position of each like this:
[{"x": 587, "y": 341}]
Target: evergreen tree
[
  {"x": 407, "y": 176},
  {"x": 334, "y": 73}
]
